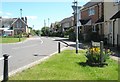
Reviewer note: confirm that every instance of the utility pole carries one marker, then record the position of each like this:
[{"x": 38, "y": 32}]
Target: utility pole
[
  {"x": 20, "y": 25},
  {"x": 75, "y": 8},
  {"x": 44, "y": 23},
  {"x": 48, "y": 22},
  {"x": 33, "y": 26}
]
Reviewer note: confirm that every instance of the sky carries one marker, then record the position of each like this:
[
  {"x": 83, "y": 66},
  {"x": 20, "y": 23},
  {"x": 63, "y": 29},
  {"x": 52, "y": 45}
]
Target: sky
[{"x": 37, "y": 12}]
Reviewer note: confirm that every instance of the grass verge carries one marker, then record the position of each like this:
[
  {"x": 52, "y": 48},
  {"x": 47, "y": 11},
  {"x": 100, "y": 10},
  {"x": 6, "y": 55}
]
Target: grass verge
[
  {"x": 68, "y": 66},
  {"x": 11, "y": 40}
]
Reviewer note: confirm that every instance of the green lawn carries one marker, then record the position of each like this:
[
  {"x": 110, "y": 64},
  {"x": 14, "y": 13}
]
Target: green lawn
[
  {"x": 68, "y": 66},
  {"x": 10, "y": 40}
]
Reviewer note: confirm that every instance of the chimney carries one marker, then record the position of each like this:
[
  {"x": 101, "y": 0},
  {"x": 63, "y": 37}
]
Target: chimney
[
  {"x": 26, "y": 20},
  {"x": 22, "y": 18}
]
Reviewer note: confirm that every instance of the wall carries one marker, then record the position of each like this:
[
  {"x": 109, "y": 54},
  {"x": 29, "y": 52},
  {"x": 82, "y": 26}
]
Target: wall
[
  {"x": 98, "y": 13},
  {"x": 18, "y": 27},
  {"x": 108, "y": 25}
]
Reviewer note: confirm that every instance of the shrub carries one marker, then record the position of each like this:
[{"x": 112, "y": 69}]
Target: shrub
[{"x": 93, "y": 55}]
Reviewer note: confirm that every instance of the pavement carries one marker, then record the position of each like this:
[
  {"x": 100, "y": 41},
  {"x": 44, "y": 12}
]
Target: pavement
[
  {"x": 28, "y": 53},
  {"x": 115, "y": 56}
]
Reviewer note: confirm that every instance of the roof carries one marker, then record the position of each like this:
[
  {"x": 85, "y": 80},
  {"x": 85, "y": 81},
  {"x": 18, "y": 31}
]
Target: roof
[
  {"x": 115, "y": 16},
  {"x": 7, "y": 21},
  {"x": 91, "y": 3},
  {"x": 67, "y": 19},
  {"x": 84, "y": 21},
  {"x": 19, "y": 19}
]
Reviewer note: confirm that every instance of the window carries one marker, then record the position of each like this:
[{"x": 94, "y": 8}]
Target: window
[
  {"x": 17, "y": 24},
  {"x": 93, "y": 28},
  {"x": 91, "y": 11},
  {"x": 116, "y": 2},
  {"x": 20, "y": 24}
]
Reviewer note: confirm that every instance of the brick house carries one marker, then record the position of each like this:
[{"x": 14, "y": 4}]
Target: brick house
[
  {"x": 54, "y": 28},
  {"x": 92, "y": 20},
  {"x": 18, "y": 25},
  {"x": 5, "y": 27},
  {"x": 67, "y": 23},
  {"x": 112, "y": 21},
  {"x": 1, "y": 30}
]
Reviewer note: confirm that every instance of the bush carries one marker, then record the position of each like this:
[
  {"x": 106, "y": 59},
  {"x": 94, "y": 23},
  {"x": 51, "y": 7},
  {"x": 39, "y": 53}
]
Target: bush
[
  {"x": 16, "y": 36},
  {"x": 72, "y": 36},
  {"x": 93, "y": 55}
]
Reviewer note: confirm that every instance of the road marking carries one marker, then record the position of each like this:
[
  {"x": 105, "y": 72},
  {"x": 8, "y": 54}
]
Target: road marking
[
  {"x": 41, "y": 41},
  {"x": 1, "y": 58}
]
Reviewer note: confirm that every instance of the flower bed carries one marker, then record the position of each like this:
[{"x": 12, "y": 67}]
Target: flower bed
[{"x": 94, "y": 57}]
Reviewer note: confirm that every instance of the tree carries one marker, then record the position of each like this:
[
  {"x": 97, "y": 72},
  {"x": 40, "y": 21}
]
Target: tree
[
  {"x": 32, "y": 32},
  {"x": 37, "y": 32},
  {"x": 45, "y": 31},
  {"x": 58, "y": 26}
]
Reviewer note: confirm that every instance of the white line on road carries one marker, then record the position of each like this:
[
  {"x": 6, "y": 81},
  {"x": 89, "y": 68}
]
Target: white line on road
[
  {"x": 41, "y": 41},
  {"x": 1, "y": 58}
]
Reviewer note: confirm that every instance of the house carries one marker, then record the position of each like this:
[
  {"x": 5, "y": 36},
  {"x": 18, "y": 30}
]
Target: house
[
  {"x": 112, "y": 21},
  {"x": 52, "y": 27},
  {"x": 18, "y": 25},
  {"x": 55, "y": 27},
  {"x": 92, "y": 21},
  {"x": 1, "y": 30},
  {"x": 67, "y": 23}
]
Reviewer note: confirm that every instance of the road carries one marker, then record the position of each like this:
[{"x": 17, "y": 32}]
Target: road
[{"x": 24, "y": 53}]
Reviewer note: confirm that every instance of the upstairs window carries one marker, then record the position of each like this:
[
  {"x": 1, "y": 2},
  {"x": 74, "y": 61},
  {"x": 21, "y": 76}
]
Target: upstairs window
[
  {"x": 17, "y": 24},
  {"x": 91, "y": 11},
  {"x": 20, "y": 24},
  {"x": 116, "y": 2}
]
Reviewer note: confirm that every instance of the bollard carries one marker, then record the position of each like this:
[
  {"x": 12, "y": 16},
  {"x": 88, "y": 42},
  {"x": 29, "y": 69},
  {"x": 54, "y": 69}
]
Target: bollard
[
  {"x": 5, "y": 76},
  {"x": 101, "y": 52},
  {"x": 58, "y": 47}
]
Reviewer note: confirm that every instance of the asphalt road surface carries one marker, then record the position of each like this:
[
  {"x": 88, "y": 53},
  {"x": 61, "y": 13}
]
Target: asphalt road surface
[{"x": 24, "y": 53}]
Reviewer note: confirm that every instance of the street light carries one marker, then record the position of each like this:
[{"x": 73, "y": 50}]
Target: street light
[
  {"x": 21, "y": 13},
  {"x": 48, "y": 21},
  {"x": 20, "y": 25},
  {"x": 75, "y": 9}
]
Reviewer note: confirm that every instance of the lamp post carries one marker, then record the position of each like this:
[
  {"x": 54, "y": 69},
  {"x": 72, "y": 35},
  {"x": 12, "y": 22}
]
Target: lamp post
[
  {"x": 75, "y": 9},
  {"x": 21, "y": 13},
  {"x": 48, "y": 21},
  {"x": 20, "y": 25}
]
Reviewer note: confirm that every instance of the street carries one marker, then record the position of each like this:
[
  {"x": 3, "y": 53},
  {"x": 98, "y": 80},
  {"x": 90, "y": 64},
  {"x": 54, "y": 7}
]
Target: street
[{"x": 24, "y": 53}]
